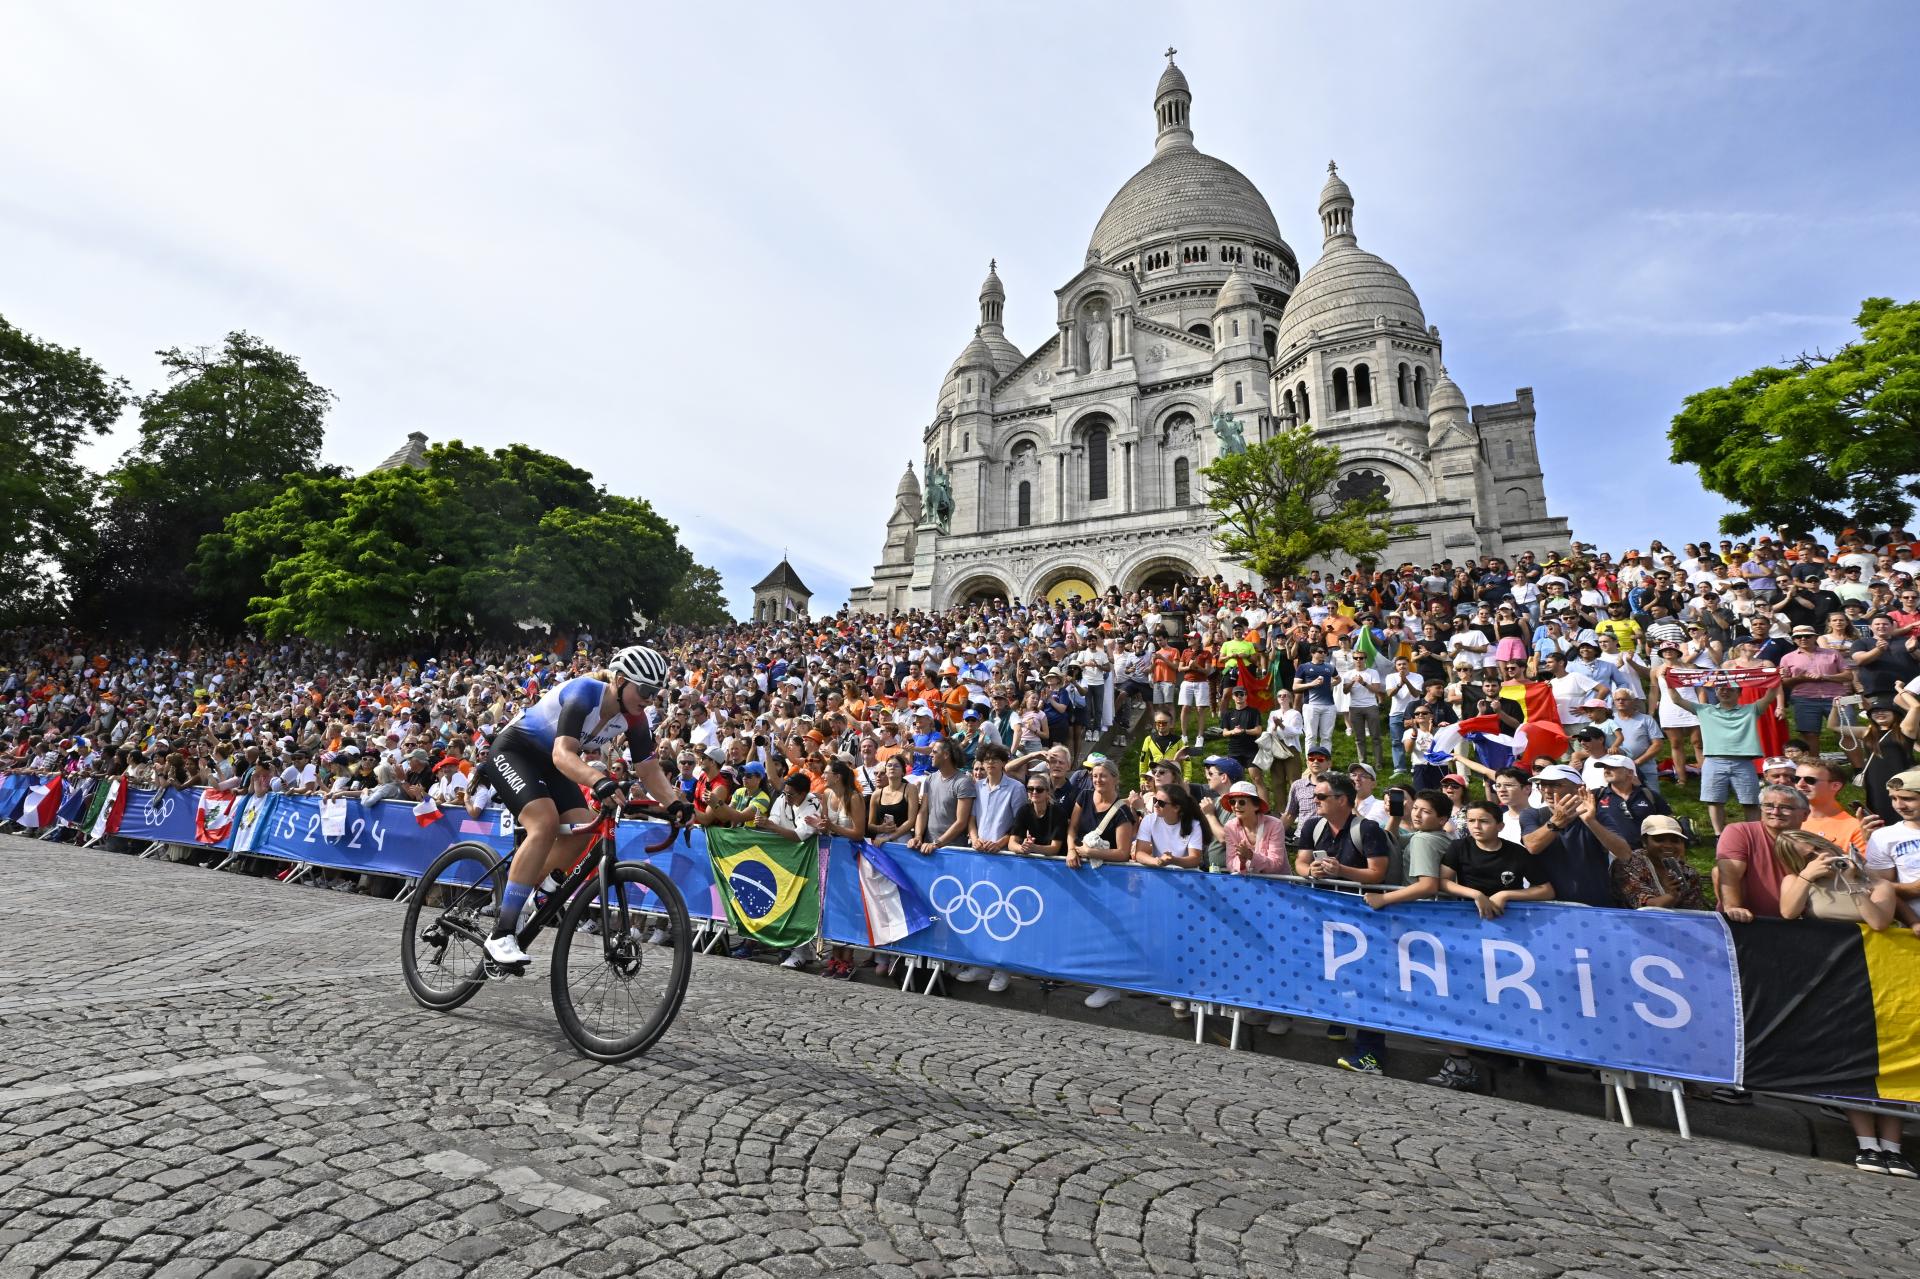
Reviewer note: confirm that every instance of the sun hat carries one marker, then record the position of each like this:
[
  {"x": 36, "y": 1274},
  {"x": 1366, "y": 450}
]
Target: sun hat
[{"x": 1247, "y": 790}]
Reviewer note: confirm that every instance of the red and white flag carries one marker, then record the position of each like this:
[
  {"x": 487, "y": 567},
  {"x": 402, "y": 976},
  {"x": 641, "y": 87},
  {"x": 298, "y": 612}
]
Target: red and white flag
[
  {"x": 214, "y": 818},
  {"x": 426, "y": 812},
  {"x": 107, "y": 820},
  {"x": 42, "y": 805}
]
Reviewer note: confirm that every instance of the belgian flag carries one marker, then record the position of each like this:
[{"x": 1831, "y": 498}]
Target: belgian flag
[{"x": 1830, "y": 1008}]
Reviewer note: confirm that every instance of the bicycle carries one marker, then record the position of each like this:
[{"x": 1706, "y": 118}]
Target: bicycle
[{"x": 597, "y": 937}]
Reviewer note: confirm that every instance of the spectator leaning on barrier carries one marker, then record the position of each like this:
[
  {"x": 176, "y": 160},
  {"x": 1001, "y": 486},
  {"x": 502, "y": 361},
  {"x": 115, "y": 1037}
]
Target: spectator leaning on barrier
[
  {"x": 1339, "y": 843},
  {"x": 1893, "y": 851},
  {"x": 1256, "y": 842},
  {"x": 1658, "y": 873},
  {"x": 1749, "y": 870},
  {"x": 1574, "y": 841},
  {"x": 946, "y": 801},
  {"x": 1102, "y": 830},
  {"x": 1423, "y": 841}
]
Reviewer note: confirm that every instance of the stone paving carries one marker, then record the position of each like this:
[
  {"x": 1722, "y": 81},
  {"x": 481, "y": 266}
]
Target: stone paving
[{"x": 204, "y": 1074}]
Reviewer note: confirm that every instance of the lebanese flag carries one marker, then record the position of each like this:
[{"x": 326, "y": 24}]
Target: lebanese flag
[
  {"x": 42, "y": 804},
  {"x": 107, "y": 820},
  {"x": 426, "y": 812},
  {"x": 214, "y": 818}
]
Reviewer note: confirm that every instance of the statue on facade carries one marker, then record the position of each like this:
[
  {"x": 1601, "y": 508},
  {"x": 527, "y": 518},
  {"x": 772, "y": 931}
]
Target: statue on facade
[
  {"x": 1232, "y": 435},
  {"x": 940, "y": 497},
  {"x": 1099, "y": 344}
]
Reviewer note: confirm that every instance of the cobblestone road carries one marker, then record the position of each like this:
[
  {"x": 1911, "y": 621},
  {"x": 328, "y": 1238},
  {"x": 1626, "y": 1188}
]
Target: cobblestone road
[{"x": 202, "y": 1074}]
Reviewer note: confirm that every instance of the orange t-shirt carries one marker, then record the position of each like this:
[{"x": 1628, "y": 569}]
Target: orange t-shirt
[{"x": 1166, "y": 667}]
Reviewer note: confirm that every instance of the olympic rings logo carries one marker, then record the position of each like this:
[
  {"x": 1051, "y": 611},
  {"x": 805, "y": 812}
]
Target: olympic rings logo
[{"x": 981, "y": 905}]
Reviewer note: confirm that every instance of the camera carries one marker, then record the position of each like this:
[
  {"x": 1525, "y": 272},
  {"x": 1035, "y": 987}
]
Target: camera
[{"x": 1396, "y": 802}]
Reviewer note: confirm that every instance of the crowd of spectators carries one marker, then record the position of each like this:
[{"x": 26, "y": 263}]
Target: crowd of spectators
[{"x": 983, "y": 726}]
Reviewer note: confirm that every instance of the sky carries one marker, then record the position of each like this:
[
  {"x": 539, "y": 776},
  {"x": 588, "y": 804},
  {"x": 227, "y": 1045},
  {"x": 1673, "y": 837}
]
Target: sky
[{"x": 722, "y": 256}]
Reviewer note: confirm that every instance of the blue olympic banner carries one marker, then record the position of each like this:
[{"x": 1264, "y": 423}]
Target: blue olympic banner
[
  {"x": 685, "y": 862},
  {"x": 1636, "y": 990},
  {"x": 380, "y": 839},
  {"x": 163, "y": 816}
]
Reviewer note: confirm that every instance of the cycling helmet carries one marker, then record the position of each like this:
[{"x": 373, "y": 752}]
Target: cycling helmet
[{"x": 640, "y": 664}]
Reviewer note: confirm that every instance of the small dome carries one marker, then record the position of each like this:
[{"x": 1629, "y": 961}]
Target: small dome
[
  {"x": 1336, "y": 187},
  {"x": 909, "y": 484},
  {"x": 1235, "y": 292},
  {"x": 992, "y": 288},
  {"x": 976, "y": 355},
  {"x": 1348, "y": 288},
  {"x": 1446, "y": 395},
  {"x": 1172, "y": 80}
]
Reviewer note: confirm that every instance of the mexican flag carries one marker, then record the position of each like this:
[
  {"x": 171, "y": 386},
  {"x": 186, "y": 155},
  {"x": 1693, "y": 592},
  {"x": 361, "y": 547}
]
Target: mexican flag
[
  {"x": 771, "y": 886},
  {"x": 106, "y": 818}
]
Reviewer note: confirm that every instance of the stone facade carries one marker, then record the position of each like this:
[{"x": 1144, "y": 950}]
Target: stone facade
[
  {"x": 1077, "y": 467},
  {"x": 780, "y": 594}
]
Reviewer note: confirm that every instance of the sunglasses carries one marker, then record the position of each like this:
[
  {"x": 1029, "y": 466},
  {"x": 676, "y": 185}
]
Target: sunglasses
[{"x": 1167, "y": 803}]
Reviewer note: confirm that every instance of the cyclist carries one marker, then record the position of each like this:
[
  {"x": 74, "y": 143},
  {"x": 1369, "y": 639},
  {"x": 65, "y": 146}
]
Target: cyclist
[{"x": 537, "y": 770}]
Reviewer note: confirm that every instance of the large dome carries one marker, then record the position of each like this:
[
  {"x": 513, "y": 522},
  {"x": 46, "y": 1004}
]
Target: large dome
[{"x": 1182, "y": 191}]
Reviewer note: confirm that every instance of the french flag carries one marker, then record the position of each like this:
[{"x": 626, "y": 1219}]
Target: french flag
[
  {"x": 426, "y": 812},
  {"x": 894, "y": 908},
  {"x": 42, "y": 805}
]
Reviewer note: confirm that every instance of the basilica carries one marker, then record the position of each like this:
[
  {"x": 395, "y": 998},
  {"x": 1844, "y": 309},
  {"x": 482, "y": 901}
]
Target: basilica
[{"x": 1190, "y": 329}]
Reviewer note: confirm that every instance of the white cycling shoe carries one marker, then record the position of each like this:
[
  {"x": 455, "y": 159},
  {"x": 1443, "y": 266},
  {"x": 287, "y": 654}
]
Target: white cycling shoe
[{"x": 506, "y": 950}]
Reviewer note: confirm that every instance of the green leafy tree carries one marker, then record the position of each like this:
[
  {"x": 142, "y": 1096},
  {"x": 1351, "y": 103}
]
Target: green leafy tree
[
  {"x": 1278, "y": 509},
  {"x": 1823, "y": 442},
  {"x": 51, "y": 399},
  {"x": 699, "y": 598},
  {"x": 478, "y": 542},
  {"x": 226, "y": 433}
]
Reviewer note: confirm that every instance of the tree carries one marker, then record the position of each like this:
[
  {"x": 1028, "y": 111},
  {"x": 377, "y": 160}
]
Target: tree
[
  {"x": 699, "y": 598},
  {"x": 475, "y": 543},
  {"x": 51, "y": 398},
  {"x": 226, "y": 433},
  {"x": 1278, "y": 509},
  {"x": 1825, "y": 442}
]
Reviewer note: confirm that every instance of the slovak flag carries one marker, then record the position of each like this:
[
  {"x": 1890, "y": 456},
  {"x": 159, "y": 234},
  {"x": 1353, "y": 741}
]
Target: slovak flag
[
  {"x": 893, "y": 907},
  {"x": 42, "y": 804},
  {"x": 426, "y": 812},
  {"x": 107, "y": 820},
  {"x": 214, "y": 818}
]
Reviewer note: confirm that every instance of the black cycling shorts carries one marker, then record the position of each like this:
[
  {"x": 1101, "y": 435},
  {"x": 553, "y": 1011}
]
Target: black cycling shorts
[{"x": 520, "y": 772}]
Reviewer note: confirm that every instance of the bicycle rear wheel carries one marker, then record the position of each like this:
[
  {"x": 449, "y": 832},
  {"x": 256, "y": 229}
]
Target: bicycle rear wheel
[
  {"x": 614, "y": 994},
  {"x": 449, "y": 918}
]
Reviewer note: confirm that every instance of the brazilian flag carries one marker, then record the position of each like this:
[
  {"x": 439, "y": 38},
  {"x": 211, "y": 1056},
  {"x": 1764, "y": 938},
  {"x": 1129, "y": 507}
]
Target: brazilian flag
[
  {"x": 771, "y": 885},
  {"x": 1830, "y": 1008}
]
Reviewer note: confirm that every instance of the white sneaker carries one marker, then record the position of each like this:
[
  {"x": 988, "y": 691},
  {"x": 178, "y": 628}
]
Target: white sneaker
[
  {"x": 1279, "y": 1025},
  {"x": 659, "y": 937},
  {"x": 1102, "y": 997},
  {"x": 972, "y": 972},
  {"x": 796, "y": 958},
  {"x": 1180, "y": 1010},
  {"x": 999, "y": 982},
  {"x": 505, "y": 950}
]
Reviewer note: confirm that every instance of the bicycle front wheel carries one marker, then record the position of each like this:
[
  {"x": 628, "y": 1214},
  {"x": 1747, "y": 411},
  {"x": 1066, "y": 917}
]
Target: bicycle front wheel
[
  {"x": 615, "y": 994},
  {"x": 449, "y": 917}
]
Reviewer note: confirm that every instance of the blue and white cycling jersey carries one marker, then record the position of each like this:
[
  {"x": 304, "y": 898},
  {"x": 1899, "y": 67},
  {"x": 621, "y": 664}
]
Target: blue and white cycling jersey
[{"x": 572, "y": 709}]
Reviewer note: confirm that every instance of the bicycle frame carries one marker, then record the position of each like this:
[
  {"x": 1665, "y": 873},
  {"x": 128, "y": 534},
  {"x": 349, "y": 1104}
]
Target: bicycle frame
[{"x": 584, "y": 874}]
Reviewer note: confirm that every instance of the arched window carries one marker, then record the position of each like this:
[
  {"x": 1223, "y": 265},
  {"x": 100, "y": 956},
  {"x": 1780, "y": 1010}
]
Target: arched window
[
  {"x": 1293, "y": 414},
  {"x": 1097, "y": 464},
  {"x": 1236, "y": 328},
  {"x": 1200, "y": 331},
  {"x": 1306, "y": 405},
  {"x": 1403, "y": 384},
  {"x": 1341, "y": 400},
  {"x": 1362, "y": 386},
  {"x": 1420, "y": 388},
  {"x": 1239, "y": 395},
  {"x": 1024, "y": 503},
  {"x": 1182, "y": 494},
  {"x": 1509, "y": 450},
  {"x": 1272, "y": 340}
]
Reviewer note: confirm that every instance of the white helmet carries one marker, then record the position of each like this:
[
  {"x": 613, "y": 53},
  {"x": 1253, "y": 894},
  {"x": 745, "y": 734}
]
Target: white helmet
[{"x": 640, "y": 664}]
